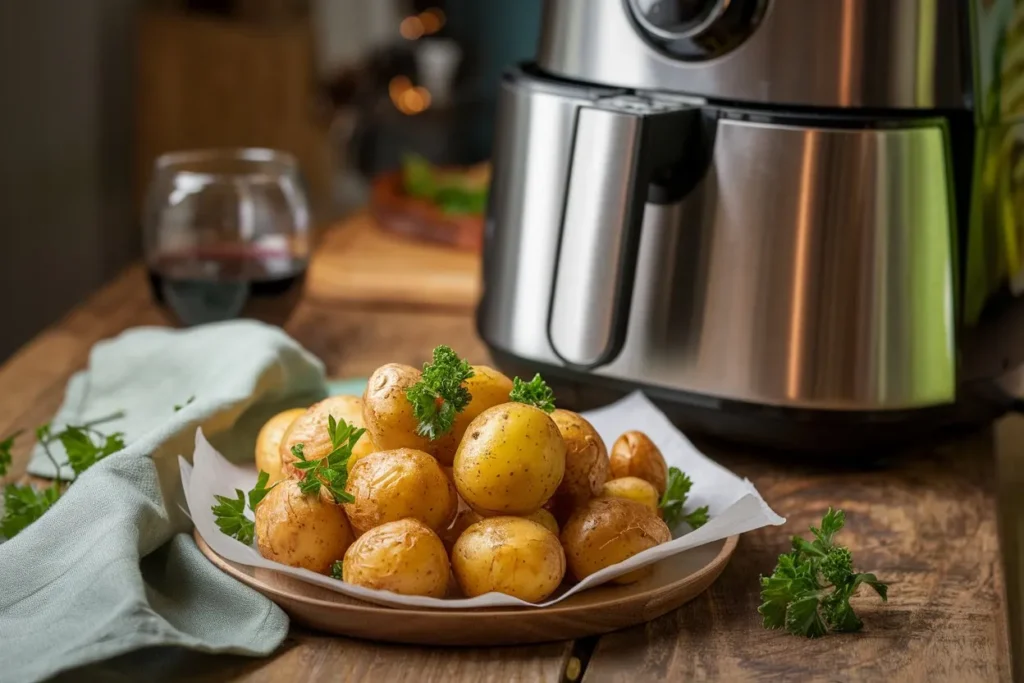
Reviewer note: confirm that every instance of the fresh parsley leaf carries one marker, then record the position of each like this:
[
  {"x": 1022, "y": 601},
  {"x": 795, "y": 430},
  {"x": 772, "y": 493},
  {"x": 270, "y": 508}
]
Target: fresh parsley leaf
[
  {"x": 330, "y": 471},
  {"x": 536, "y": 393},
  {"x": 809, "y": 592},
  {"x": 24, "y": 504},
  {"x": 440, "y": 395},
  {"x": 336, "y": 571},
  {"x": 260, "y": 491},
  {"x": 674, "y": 499},
  {"x": 5, "y": 452},
  {"x": 229, "y": 513},
  {"x": 82, "y": 452}
]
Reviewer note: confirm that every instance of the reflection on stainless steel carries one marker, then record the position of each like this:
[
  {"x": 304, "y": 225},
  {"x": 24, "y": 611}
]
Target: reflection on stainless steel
[
  {"x": 599, "y": 210},
  {"x": 831, "y": 53},
  {"x": 810, "y": 267}
]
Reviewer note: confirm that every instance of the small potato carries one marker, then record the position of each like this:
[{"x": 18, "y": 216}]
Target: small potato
[
  {"x": 635, "y": 455},
  {"x": 606, "y": 531},
  {"x": 268, "y": 443},
  {"x": 511, "y": 460},
  {"x": 387, "y": 412},
  {"x": 488, "y": 388},
  {"x": 391, "y": 485},
  {"x": 632, "y": 488},
  {"x": 403, "y": 557},
  {"x": 301, "y": 530},
  {"x": 586, "y": 463},
  {"x": 545, "y": 519},
  {"x": 310, "y": 429},
  {"x": 508, "y": 555}
]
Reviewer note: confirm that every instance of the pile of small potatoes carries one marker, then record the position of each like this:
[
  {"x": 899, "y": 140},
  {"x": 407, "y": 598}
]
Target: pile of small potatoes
[{"x": 512, "y": 499}]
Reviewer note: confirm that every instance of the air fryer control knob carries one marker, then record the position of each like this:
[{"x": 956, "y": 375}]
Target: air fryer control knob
[{"x": 696, "y": 29}]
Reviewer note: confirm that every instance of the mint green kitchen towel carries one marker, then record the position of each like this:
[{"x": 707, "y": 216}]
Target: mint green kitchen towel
[{"x": 111, "y": 567}]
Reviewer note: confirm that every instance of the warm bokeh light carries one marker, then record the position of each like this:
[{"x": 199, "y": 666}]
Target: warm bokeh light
[
  {"x": 432, "y": 20},
  {"x": 411, "y": 28},
  {"x": 407, "y": 98}
]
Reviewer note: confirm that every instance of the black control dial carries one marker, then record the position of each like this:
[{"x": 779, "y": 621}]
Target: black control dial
[{"x": 696, "y": 29}]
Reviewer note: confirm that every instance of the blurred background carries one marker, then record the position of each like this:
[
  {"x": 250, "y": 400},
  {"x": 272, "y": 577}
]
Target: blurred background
[{"x": 387, "y": 105}]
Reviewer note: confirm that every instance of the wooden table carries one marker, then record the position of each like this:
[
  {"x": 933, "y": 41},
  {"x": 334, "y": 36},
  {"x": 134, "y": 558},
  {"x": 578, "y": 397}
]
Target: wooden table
[{"x": 925, "y": 522}]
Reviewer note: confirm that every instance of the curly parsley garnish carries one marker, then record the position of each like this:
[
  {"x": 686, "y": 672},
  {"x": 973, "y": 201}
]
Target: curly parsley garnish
[
  {"x": 672, "y": 501},
  {"x": 536, "y": 393},
  {"x": 440, "y": 395},
  {"x": 809, "y": 592},
  {"x": 330, "y": 471},
  {"x": 336, "y": 570}
]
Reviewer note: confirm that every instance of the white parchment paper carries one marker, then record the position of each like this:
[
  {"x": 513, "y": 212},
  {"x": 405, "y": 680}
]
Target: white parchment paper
[{"x": 734, "y": 506}]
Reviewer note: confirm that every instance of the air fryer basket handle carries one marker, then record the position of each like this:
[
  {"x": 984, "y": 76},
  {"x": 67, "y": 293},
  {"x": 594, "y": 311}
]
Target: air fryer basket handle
[{"x": 619, "y": 143}]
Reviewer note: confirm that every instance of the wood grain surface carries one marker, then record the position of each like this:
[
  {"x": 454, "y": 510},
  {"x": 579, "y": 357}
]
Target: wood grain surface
[{"x": 924, "y": 521}]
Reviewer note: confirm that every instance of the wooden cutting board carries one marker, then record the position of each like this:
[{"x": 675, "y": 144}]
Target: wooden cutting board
[{"x": 356, "y": 262}]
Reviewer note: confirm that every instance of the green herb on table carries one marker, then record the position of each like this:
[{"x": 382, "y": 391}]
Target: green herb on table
[
  {"x": 84, "y": 444},
  {"x": 536, "y": 393},
  {"x": 809, "y": 592},
  {"x": 336, "y": 570},
  {"x": 453, "y": 192},
  {"x": 331, "y": 471},
  {"x": 673, "y": 501},
  {"x": 440, "y": 395}
]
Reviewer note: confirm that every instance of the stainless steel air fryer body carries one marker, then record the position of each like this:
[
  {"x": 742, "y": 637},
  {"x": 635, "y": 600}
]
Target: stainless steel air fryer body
[{"x": 773, "y": 215}]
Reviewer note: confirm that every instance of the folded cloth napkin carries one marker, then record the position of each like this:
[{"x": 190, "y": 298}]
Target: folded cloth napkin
[{"x": 110, "y": 568}]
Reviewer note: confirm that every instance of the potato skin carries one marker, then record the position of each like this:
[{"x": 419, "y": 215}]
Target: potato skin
[
  {"x": 404, "y": 556},
  {"x": 632, "y": 488},
  {"x": 545, "y": 519},
  {"x": 511, "y": 460},
  {"x": 586, "y": 463},
  {"x": 488, "y": 388},
  {"x": 510, "y": 555},
  {"x": 387, "y": 413},
  {"x": 393, "y": 485},
  {"x": 300, "y": 530},
  {"x": 606, "y": 531},
  {"x": 310, "y": 429},
  {"x": 635, "y": 455},
  {"x": 268, "y": 443}
]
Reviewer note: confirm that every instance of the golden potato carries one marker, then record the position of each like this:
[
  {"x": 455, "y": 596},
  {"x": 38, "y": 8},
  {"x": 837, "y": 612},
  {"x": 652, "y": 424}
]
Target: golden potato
[
  {"x": 635, "y": 455},
  {"x": 511, "y": 460},
  {"x": 310, "y": 429},
  {"x": 632, "y": 488},
  {"x": 387, "y": 412},
  {"x": 488, "y": 388},
  {"x": 510, "y": 555},
  {"x": 403, "y": 557},
  {"x": 268, "y": 443},
  {"x": 586, "y": 463},
  {"x": 465, "y": 519},
  {"x": 301, "y": 530},
  {"x": 545, "y": 519},
  {"x": 391, "y": 485},
  {"x": 606, "y": 531}
]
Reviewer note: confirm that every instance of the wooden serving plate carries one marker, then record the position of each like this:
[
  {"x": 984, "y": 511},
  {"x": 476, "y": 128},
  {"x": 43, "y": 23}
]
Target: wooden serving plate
[{"x": 676, "y": 580}]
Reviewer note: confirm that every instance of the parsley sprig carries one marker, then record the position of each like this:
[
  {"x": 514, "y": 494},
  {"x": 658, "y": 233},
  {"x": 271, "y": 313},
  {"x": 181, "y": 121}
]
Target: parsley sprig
[
  {"x": 536, "y": 393},
  {"x": 336, "y": 570},
  {"x": 229, "y": 513},
  {"x": 809, "y": 591},
  {"x": 674, "y": 499},
  {"x": 440, "y": 395},
  {"x": 84, "y": 444},
  {"x": 331, "y": 471}
]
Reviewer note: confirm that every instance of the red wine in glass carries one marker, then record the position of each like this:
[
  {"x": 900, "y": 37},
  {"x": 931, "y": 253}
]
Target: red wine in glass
[{"x": 211, "y": 284}]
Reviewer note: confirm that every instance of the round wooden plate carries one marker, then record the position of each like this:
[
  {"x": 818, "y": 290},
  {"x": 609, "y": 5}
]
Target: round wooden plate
[{"x": 675, "y": 580}]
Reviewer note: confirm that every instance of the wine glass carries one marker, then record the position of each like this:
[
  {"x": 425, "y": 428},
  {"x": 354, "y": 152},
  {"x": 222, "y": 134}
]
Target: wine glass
[{"x": 226, "y": 234}]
